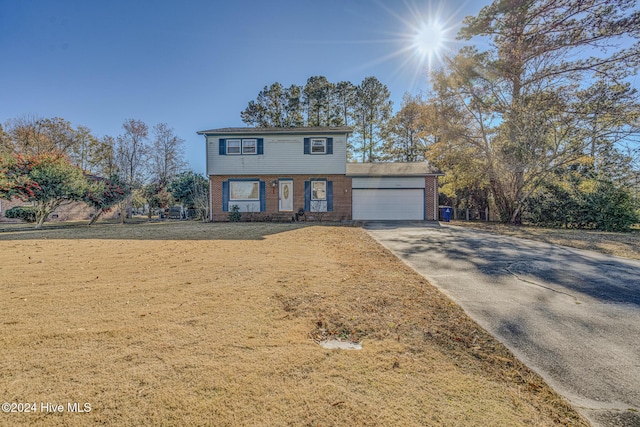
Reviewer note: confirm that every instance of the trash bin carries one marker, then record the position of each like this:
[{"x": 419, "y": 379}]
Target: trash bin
[{"x": 445, "y": 213}]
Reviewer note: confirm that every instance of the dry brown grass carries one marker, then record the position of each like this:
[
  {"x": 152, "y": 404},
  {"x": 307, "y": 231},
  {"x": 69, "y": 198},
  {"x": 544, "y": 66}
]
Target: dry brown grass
[
  {"x": 214, "y": 324},
  {"x": 619, "y": 244}
]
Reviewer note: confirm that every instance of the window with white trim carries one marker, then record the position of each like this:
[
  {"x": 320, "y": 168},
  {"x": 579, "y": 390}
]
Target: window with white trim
[
  {"x": 318, "y": 190},
  {"x": 234, "y": 146},
  {"x": 244, "y": 190},
  {"x": 318, "y": 146},
  {"x": 249, "y": 146}
]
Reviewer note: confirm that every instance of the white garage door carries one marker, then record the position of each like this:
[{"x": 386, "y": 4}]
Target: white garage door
[{"x": 388, "y": 204}]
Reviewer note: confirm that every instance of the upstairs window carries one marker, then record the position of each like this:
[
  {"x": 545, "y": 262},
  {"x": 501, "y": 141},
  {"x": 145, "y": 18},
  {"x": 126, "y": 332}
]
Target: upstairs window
[
  {"x": 318, "y": 146},
  {"x": 241, "y": 146},
  {"x": 249, "y": 146},
  {"x": 233, "y": 146}
]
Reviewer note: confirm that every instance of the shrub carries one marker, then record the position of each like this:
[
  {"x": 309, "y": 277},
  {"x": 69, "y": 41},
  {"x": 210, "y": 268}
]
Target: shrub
[
  {"x": 612, "y": 208},
  {"x": 25, "y": 213},
  {"x": 601, "y": 205},
  {"x": 234, "y": 213}
]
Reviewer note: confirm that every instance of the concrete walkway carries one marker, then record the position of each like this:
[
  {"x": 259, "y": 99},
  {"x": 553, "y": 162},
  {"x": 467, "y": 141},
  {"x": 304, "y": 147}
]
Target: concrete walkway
[{"x": 571, "y": 315}]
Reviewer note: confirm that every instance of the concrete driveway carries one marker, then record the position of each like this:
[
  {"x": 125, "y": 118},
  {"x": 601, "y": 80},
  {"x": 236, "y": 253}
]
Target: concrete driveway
[{"x": 571, "y": 315}]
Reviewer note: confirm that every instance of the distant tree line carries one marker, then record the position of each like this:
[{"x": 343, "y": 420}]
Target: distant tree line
[
  {"x": 366, "y": 108},
  {"x": 48, "y": 162}
]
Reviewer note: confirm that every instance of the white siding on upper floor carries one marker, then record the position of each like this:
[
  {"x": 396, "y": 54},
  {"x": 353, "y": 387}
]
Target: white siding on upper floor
[{"x": 283, "y": 155}]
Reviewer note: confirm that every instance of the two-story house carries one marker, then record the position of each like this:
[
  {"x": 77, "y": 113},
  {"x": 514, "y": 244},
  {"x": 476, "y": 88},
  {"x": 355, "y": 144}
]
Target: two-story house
[{"x": 280, "y": 172}]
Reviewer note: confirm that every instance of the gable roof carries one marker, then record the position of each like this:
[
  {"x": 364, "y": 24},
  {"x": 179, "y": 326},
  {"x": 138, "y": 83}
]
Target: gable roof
[
  {"x": 391, "y": 169},
  {"x": 278, "y": 131}
]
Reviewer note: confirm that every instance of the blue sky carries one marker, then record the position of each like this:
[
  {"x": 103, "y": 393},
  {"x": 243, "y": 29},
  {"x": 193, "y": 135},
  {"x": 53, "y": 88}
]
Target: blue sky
[{"x": 196, "y": 64}]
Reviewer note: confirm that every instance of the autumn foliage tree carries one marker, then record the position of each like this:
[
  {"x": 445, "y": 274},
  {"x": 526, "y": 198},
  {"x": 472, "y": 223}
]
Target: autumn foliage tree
[
  {"x": 5, "y": 142},
  {"x": 48, "y": 180},
  {"x": 405, "y": 133},
  {"x": 102, "y": 195},
  {"x": 552, "y": 86}
]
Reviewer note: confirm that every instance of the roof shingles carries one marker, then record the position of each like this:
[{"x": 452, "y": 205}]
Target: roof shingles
[
  {"x": 280, "y": 131},
  {"x": 391, "y": 169}
]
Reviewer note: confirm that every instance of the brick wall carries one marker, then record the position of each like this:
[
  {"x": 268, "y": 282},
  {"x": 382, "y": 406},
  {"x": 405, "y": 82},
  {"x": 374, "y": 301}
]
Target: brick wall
[
  {"x": 79, "y": 211},
  {"x": 341, "y": 198},
  {"x": 431, "y": 198},
  {"x": 5, "y": 205}
]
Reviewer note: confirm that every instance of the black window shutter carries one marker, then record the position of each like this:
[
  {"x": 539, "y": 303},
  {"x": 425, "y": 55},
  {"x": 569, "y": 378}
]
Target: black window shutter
[
  {"x": 260, "y": 146},
  {"x": 225, "y": 196},
  {"x": 307, "y": 196},
  {"x": 329, "y": 196},
  {"x": 263, "y": 196},
  {"x": 223, "y": 147},
  {"x": 329, "y": 145},
  {"x": 307, "y": 146}
]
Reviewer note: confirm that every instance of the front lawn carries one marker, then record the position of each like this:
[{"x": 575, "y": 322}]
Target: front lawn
[{"x": 183, "y": 323}]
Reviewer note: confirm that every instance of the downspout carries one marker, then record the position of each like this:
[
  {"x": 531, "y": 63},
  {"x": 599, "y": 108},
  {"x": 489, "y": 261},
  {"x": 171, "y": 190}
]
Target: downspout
[
  {"x": 210, "y": 199},
  {"x": 206, "y": 139},
  {"x": 435, "y": 198}
]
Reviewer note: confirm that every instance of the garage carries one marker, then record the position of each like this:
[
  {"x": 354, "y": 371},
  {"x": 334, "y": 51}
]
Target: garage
[
  {"x": 388, "y": 204},
  {"x": 393, "y": 191}
]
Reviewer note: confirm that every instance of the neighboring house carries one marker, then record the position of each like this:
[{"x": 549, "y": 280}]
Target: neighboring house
[
  {"x": 74, "y": 211},
  {"x": 279, "y": 172}
]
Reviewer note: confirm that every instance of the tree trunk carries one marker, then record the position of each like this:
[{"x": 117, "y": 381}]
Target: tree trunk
[
  {"x": 95, "y": 217},
  {"x": 516, "y": 216},
  {"x": 42, "y": 212},
  {"x": 40, "y": 221},
  {"x": 122, "y": 207}
]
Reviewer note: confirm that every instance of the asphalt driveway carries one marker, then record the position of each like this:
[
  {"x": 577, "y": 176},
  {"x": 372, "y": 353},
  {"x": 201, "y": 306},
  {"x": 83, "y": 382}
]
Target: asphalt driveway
[{"x": 571, "y": 315}]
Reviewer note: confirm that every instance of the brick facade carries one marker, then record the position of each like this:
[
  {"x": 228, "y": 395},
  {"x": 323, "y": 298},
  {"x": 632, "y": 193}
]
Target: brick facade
[
  {"x": 431, "y": 198},
  {"x": 341, "y": 198},
  {"x": 5, "y": 205}
]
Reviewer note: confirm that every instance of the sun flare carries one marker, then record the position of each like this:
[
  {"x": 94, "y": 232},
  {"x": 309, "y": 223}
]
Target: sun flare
[
  {"x": 424, "y": 35},
  {"x": 429, "y": 40},
  {"x": 428, "y": 34}
]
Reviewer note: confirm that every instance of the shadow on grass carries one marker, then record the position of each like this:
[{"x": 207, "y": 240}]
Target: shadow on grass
[
  {"x": 625, "y": 244},
  {"x": 154, "y": 230}
]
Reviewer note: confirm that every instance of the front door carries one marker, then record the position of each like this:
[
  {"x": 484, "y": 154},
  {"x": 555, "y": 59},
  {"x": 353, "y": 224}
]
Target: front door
[{"x": 285, "y": 196}]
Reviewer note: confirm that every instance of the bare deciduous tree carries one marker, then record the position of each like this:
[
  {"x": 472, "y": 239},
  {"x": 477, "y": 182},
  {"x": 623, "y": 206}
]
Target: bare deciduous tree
[
  {"x": 30, "y": 134},
  {"x": 131, "y": 154},
  {"x": 166, "y": 155}
]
